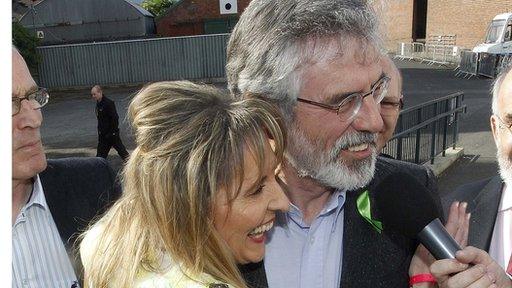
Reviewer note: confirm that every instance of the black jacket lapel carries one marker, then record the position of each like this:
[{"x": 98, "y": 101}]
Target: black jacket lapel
[{"x": 483, "y": 210}]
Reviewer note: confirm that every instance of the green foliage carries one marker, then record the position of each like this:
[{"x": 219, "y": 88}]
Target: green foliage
[
  {"x": 26, "y": 42},
  {"x": 157, "y": 7}
]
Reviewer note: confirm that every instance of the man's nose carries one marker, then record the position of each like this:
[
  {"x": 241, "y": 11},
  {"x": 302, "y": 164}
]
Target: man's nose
[
  {"x": 368, "y": 118},
  {"x": 28, "y": 116}
]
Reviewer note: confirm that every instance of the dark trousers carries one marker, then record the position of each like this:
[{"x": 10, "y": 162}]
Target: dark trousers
[{"x": 105, "y": 143}]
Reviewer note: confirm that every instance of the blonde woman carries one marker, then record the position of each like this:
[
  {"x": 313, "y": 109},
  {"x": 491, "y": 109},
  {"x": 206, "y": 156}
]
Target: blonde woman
[{"x": 199, "y": 192}]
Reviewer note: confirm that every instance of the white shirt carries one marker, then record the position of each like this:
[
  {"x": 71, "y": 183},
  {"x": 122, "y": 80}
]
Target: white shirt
[
  {"x": 501, "y": 241},
  {"x": 39, "y": 258}
]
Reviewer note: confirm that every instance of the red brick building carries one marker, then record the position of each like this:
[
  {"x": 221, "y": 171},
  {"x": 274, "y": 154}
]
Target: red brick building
[
  {"x": 416, "y": 20},
  {"x": 403, "y": 20},
  {"x": 196, "y": 17}
]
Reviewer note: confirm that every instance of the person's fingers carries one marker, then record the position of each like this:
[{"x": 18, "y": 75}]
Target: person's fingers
[
  {"x": 460, "y": 230},
  {"x": 462, "y": 213},
  {"x": 465, "y": 236},
  {"x": 461, "y": 236},
  {"x": 485, "y": 281},
  {"x": 473, "y": 255},
  {"x": 441, "y": 269},
  {"x": 474, "y": 277},
  {"x": 453, "y": 215}
]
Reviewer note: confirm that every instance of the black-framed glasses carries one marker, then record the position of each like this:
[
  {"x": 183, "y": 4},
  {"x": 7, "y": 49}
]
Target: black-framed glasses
[
  {"x": 36, "y": 99},
  {"x": 348, "y": 108},
  {"x": 503, "y": 124}
]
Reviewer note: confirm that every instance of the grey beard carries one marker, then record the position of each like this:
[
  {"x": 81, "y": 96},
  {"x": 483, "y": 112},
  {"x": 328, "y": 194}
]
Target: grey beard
[
  {"x": 310, "y": 160},
  {"x": 505, "y": 166}
]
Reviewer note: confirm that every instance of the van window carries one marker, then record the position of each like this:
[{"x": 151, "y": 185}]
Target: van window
[
  {"x": 494, "y": 31},
  {"x": 508, "y": 32}
]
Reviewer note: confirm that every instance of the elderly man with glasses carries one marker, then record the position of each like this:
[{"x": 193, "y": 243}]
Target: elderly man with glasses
[
  {"x": 490, "y": 205},
  {"x": 51, "y": 200},
  {"x": 320, "y": 63},
  {"x": 391, "y": 104}
]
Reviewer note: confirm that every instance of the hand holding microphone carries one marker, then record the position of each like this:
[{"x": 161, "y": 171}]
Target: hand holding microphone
[
  {"x": 457, "y": 225},
  {"x": 416, "y": 215},
  {"x": 457, "y": 273}
]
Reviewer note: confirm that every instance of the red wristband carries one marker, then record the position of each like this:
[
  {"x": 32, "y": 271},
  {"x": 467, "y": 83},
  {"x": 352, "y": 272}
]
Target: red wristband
[{"x": 421, "y": 278}]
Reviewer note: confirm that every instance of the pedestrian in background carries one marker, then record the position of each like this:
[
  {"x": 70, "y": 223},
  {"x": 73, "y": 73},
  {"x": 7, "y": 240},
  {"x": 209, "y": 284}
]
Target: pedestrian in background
[{"x": 108, "y": 125}]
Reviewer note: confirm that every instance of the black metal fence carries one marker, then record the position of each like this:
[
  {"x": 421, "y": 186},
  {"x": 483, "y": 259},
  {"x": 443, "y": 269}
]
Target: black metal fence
[{"x": 427, "y": 130}]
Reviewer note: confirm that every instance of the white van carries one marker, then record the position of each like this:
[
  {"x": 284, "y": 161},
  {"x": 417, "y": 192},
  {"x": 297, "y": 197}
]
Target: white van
[{"x": 498, "y": 39}]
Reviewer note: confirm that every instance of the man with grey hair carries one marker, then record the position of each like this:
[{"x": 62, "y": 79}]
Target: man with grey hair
[
  {"x": 52, "y": 201},
  {"x": 490, "y": 200},
  {"x": 319, "y": 62}
]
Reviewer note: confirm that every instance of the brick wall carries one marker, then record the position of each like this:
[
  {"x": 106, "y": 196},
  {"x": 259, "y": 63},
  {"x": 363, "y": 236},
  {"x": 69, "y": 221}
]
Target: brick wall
[
  {"x": 187, "y": 17},
  {"x": 468, "y": 19},
  {"x": 396, "y": 18}
]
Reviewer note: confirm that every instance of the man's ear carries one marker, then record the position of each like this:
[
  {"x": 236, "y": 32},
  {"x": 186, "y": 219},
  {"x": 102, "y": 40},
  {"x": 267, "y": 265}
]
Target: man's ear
[{"x": 494, "y": 127}]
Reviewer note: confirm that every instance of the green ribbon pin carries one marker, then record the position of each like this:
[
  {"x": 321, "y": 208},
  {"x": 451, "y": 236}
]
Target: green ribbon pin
[{"x": 363, "y": 206}]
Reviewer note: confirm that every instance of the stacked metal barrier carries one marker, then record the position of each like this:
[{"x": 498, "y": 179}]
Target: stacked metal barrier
[
  {"x": 503, "y": 62},
  {"x": 469, "y": 63},
  {"x": 428, "y": 53},
  {"x": 482, "y": 64},
  {"x": 468, "y": 66}
]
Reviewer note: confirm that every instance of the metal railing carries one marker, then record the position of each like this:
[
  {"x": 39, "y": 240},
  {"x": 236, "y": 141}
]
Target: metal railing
[
  {"x": 482, "y": 64},
  {"x": 427, "y": 130},
  {"x": 468, "y": 66},
  {"x": 429, "y": 53},
  {"x": 503, "y": 62},
  {"x": 487, "y": 64}
]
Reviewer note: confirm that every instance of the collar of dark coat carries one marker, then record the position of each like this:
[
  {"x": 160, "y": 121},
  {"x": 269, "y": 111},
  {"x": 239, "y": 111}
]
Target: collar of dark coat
[
  {"x": 483, "y": 209},
  {"x": 66, "y": 210}
]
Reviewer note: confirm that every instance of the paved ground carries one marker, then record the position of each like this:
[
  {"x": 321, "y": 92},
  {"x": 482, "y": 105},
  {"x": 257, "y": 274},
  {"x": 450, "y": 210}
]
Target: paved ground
[{"x": 69, "y": 127}]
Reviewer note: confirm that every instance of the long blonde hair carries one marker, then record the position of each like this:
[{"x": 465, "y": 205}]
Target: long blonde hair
[{"x": 190, "y": 143}]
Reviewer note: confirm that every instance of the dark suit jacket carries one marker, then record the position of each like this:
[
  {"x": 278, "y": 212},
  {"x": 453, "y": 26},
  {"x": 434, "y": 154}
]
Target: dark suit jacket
[
  {"x": 77, "y": 190},
  {"x": 370, "y": 259},
  {"x": 108, "y": 120},
  {"x": 483, "y": 198}
]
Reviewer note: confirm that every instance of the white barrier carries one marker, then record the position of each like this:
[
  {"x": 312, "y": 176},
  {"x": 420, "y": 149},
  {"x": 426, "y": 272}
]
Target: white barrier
[{"x": 429, "y": 53}]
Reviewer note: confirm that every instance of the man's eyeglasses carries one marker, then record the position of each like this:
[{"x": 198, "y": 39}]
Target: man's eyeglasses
[
  {"x": 36, "y": 99},
  {"x": 391, "y": 106},
  {"x": 504, "y": 125},
  {"x": 349, "y": 107}
]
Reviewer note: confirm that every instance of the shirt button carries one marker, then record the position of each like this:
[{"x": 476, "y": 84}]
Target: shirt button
[
  {"x": 25, "y": 282},
  {"x": 312, "y": 240}
]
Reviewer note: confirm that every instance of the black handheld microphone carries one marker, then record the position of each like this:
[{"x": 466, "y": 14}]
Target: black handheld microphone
[{"x": 407, "y": 207}]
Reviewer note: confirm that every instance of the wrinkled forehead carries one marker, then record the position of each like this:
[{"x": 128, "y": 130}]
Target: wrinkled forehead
[
  {"x": 338, "y": 48},
  {"x": 22, "y": 81}
]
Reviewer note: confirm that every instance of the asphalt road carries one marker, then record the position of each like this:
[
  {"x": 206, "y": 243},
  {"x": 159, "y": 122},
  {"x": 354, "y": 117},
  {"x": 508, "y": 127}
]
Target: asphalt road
[{"x": 69, "y": 126}]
